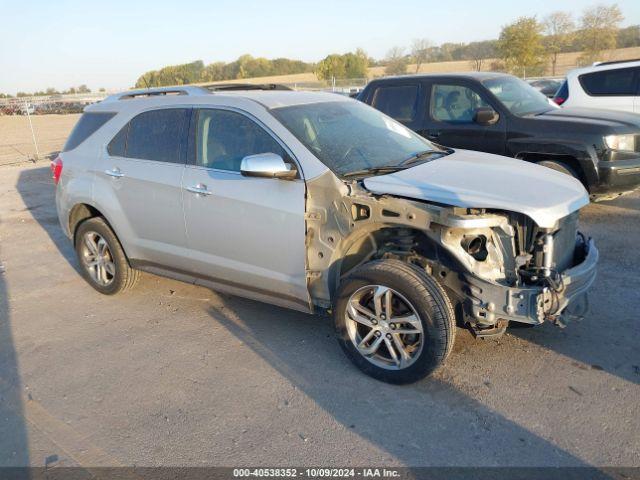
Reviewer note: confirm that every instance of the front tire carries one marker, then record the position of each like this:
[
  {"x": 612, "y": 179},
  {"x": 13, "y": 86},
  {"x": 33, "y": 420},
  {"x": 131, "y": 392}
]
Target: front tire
[
  {"x": 394, "y": 321},
  {"x": 103, "y": 262},
  {"x": 560, "y": 167}
]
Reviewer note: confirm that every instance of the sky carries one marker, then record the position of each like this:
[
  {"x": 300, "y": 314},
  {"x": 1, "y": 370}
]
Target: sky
[{"x": 109, "y": 44}]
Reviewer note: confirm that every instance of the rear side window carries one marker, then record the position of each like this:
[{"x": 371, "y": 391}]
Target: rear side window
[
  {"x": 619, "y": 82},
  {"x": 88, "y": 124},
  {"x": 399, "y": 102},
  {"x": 155, "y": 135}
]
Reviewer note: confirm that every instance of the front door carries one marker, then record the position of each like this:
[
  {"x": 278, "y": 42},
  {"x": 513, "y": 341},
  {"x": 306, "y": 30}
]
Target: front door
[
  {"x": 450, "y": 119},
  {"x": 245, "y": 233}
]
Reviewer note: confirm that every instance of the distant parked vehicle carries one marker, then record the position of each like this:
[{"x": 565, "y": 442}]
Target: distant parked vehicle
[
  {"x": 501, "y": 114},
  {"x": 547, "y": 86},
  {"x": 608, "y": 85},
  {"x": 26, "y": 109}
]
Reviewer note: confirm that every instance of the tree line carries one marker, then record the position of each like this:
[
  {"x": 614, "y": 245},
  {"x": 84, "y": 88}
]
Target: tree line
[{"x": 527, "y": 46}]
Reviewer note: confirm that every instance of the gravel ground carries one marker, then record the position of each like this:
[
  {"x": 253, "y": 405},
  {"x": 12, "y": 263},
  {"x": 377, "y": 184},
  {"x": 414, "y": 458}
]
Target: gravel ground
[
  {"x": 173, "y": 374},
  {"x": 16, "y": 140}
]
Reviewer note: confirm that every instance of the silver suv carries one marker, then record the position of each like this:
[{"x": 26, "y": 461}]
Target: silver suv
[{"x": 317, "y": 202}]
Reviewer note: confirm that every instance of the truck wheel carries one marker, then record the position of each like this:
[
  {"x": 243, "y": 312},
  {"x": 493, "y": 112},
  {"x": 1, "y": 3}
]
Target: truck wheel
[
  {"x": 103, "y": 262},
  {"x": 559, "y": 167},
  {"x": 394, "y": 321}
]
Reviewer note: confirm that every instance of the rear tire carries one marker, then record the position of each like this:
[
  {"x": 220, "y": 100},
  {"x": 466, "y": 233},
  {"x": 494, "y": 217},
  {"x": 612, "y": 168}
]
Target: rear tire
[
  {"x": 416, "y": 316},
  {"x": 103, "y": 262}
]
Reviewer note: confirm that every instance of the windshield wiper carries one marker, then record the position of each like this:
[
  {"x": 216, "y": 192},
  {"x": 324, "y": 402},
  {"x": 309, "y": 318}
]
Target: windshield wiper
[
  {"x": 419, "y": 156},
  {"x": 374, "y": 170}
]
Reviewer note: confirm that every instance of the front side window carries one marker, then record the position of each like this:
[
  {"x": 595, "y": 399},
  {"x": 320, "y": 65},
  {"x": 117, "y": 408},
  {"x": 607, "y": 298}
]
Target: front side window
[
  {"x": 88, "y": 124},
  {"x": 154, "y": 135},
  {"x": 619, "y": 82},
  {"x": 349, "y": 136},
  {"x": 518, "y": 96},
  {"x": 224, "y": 138},
  {"x": 399, "y": 101},
  {"x": 454, "y": 103}
]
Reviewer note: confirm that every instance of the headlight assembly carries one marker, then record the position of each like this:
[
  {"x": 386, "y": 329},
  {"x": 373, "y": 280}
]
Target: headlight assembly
[{"x": 621, "y": 142}]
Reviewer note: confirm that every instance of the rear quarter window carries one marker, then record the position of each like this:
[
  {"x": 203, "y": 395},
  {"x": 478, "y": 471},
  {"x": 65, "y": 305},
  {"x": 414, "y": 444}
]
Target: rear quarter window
[
  {"x": 88, "y": 124},
  {"x": 611, "y": 83},
  {"x": 398, "y": 101}
]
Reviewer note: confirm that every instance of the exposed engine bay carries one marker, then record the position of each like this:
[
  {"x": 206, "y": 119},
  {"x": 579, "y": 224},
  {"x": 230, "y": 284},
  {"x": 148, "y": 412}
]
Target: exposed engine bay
[{"x": 498, "y": 266}]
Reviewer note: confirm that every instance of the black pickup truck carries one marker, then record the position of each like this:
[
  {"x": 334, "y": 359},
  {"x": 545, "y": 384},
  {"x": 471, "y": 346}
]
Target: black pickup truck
[{"x": 501, "y": 114}]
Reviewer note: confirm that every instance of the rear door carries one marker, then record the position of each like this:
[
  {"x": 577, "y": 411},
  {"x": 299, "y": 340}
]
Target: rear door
[
  {"x": 246, "y": 234},
  {"x": 450, "y": 121},
  {"x": 143, "y": 167}
]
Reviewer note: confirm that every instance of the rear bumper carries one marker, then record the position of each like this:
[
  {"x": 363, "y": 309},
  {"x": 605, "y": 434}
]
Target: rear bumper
[
  {"x": 619, "y": 176},
  {"x": 488, "y": 302}
]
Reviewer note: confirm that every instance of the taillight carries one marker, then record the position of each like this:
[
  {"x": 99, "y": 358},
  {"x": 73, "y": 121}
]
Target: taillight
[{"x": 56, "y": 169}]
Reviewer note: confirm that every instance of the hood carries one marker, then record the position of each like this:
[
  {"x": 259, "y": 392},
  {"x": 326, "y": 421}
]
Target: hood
[
  {"x": 481, "y": 180},
  {"x": 626, "y": 121}
]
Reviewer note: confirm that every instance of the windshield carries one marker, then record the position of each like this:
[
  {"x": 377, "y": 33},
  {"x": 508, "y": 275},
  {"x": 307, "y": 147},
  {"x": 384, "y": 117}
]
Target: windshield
[
  {"x": 518, "y": 96},
  {"x": 351, "y": 136}
]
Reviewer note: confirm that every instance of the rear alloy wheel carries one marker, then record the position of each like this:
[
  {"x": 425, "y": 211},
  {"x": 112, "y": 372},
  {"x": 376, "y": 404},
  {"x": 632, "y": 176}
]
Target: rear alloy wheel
[
  {"x": 394, "y": 321},
  {"x": 103, "y": 262},
  {"x": 97, "y": 258}
]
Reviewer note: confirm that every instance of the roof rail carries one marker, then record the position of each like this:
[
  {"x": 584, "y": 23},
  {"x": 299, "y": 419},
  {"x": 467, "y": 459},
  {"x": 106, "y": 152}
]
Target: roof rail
[
  {"x": 229, "y": 87},
  {"x": 613, "y": 62},
  {"x": 156, "y": 91}
]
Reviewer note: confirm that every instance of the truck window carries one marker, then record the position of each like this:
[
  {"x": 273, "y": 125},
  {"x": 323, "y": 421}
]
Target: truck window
[{"x": 399, "y": 102}]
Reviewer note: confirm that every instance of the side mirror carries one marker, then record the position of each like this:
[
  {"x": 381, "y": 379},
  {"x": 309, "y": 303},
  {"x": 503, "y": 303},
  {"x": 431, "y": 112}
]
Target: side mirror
[
  {"x": 267, "y": 165},
  {"x": 485, "y": 116}
]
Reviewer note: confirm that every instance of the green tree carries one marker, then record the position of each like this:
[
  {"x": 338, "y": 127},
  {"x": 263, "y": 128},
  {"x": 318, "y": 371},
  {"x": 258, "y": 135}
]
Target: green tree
[
  {"x": 559, "y": 29},
  {"x": 598, "y": 31},
  {"x": 356, "y": 64},
  {"x": 629, "y": 37},
  {"x": 396, "y": 62},
  {"x": 520, "y": 47},
  {"x": 332, "y": 66}
]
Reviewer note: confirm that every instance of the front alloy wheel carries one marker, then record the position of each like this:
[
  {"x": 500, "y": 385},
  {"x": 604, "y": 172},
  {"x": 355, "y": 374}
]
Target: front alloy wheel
[
  {"x": 394, "y": 321},
  {"x": 384, "y": 326}
]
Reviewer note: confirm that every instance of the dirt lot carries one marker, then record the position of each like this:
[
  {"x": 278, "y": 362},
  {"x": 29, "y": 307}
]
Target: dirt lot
[
  {"x": 16, "y": 141},
  {"x": 173, "y": 374}
]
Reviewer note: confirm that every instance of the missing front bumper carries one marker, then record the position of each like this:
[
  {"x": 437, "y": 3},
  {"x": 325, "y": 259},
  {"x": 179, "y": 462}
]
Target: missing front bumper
[{"x": 487, "y": 303}]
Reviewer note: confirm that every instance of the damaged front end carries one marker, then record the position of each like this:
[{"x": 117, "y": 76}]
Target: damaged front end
[{"x": 498, "y": 266}]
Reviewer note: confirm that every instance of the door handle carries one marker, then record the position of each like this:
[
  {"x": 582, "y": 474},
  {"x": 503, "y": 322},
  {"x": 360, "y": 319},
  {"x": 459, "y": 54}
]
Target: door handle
[
  {"x": 433, "y": 133},
  {"x": 114, "y": 172},
  {"x": 199, "y": 189}
]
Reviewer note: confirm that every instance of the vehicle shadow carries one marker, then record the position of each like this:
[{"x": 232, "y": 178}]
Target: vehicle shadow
[
  {"x": 606, "y": 339},
  {"x": 445, "y": 428},
  {"x": 43, "y": 208},
  {"x": 14, "y": 447}
]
